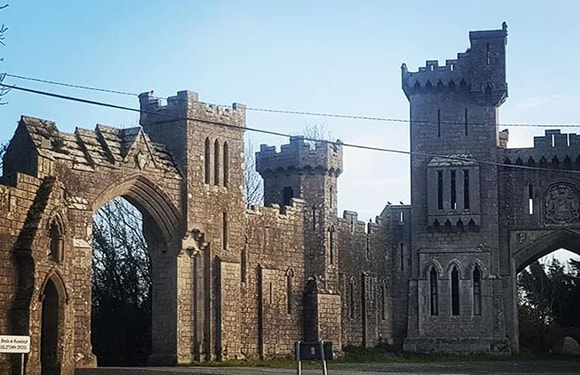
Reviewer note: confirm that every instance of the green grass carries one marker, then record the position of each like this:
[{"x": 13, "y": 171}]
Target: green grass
[{"x": 381, "y": 355}]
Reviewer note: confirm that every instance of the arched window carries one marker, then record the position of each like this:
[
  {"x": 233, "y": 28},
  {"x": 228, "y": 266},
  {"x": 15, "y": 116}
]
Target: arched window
[
  {"x": 216, "y": 162},
  {"x": 224, "y": 230},
  {"x": 56, "y": 234},
  {"x": 434, "y": 291},
  {"x": 454, "y": 291},
  {"x": 289, "y": 277},
  {"x": 207, "y": 161},
  {"x": 226, "y": 164},
  {"x": 476, "y": 291},
  {"x": 352, "y": 299}
]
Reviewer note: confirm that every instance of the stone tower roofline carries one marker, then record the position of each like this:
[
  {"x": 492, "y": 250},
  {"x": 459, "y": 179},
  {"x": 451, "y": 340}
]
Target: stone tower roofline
[
  {"x": 186, "y": 105},
  {"x": 298, "y": 156},
  {"x": 465, "y": 73}
]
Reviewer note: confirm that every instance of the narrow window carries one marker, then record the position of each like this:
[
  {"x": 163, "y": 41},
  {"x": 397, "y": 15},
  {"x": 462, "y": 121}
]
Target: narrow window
[
  {"x": 56, "y": 241},
  {"x": 289, "y": 276},
  {"x": 476, "y": 291},
  {"x": 455, "y": 291},
  {"x": 313, "y": 217},
  {"x": 352, "y": 299},
  {"x": 216, "y": 162},
  {"x": 224, "y": 231},
  {"x": 287, "y": 195},
  {"x": 330, "y": 196},
  {"x": 401, "y": 217},
  {"x": 439, "y": 123},
  {"x": 466, "y": 189},
  {"x": 271, "y": 293},
  {"x": 440, "y": 190},
  {"x": 453, "y": 191},
  {"x": 433, "y": 292},
  {"x": 465, "y": 118},
  {"x": 226, "y": 164},
  {"x": 368, "y": 248},
  {"x": 402, "y": 248},
  {"x": 383, "y": 301},
  {"x": 530, "y": 199},
  {"x": 487, "y": 54},
  {"x": 207, "y": 161},
  {"x": 331, "y": 245},
  {"x": 244, "y": 264}
]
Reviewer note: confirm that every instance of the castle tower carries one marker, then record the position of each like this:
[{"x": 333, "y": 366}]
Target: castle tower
[
  {"x": 311, "y": 173},
  {"x": 207, "y": 144},
  {"x": 455, "y": 286}
]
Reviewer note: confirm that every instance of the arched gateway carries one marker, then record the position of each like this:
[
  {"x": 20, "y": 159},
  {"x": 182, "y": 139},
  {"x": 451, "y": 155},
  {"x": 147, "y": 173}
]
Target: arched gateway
[{"x": 235, "y": 282}]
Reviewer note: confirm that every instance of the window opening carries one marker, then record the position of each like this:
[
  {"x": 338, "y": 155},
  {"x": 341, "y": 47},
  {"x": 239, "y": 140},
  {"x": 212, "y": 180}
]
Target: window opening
[
  {"x": 487, "y": 54},
  {"x": 465, "y": 118},
  {"x": 453, "y": 191},
  {"x": 466, "y": 189},
  {"x": 455, "y": 291},
  {"x": 440, "y": 190},
  {"x": 313, "y": 217},
  {"x": 402, "y": 252},
  {"x": 331, "y": 244},
  {"x": 368, "y": 247},
  {"x": 330, "y": 196},
  {"x": 289, "y": 276},
  {"x": 226, "y": 164},
  {"x": 56, "y": 241},
  {"x": 438, "y": 123},
  {"x": 476, "y": 291},
  {"x": 287, "y": 195},
  {"x": 530, "y": 199},
  {"x": 383, "y": 301},
  {"x": 401, "y": 217},
  {"x": 216, "y": 163},
  {"x": 224, "y": 230},
  {"x": 271, "y": 293},
  {"x": 351, "y": 304},
  {"x": 434, "y": 291},
  {"x": 207, "y": 161}
]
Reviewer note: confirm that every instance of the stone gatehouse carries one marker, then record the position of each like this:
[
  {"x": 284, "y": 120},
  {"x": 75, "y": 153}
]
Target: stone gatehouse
[{"x": 237, "y": 282}]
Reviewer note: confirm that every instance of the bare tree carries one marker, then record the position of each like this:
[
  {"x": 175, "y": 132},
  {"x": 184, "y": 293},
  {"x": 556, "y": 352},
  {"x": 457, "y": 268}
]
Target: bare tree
[
  {"x": 3, "y": 30},
  {"x": 254, "y": 188},
  {"x": 121, "y": 315},
  {"x": 316, "y": 132}
]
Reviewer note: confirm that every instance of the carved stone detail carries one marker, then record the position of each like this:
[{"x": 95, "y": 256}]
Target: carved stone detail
[{"x": 562, "y": 205}]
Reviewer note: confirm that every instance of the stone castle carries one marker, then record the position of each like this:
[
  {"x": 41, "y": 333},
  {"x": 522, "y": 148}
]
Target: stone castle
[{"x": 235, "y": 282}]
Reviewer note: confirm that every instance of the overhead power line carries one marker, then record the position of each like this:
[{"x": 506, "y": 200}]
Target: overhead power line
[
  {"x": 279, "y": 134},
  {"x": 301, "y": 113}
]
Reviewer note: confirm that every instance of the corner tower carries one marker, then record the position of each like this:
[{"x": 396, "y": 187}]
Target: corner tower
[
  {"x": 309, "y": 173},
  {"x": 455, "y": 288}
]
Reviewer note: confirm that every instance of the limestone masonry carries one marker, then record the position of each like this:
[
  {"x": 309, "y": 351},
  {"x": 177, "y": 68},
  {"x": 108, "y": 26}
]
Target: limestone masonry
[{"x": 236, "y": 282}]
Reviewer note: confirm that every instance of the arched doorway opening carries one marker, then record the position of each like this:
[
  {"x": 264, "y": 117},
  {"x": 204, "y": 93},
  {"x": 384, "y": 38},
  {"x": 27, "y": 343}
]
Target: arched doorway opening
[
  {"x": 548, "y": 287},
  {"x": 51, "y": 326},
  {"x": 121, "y": 286}
]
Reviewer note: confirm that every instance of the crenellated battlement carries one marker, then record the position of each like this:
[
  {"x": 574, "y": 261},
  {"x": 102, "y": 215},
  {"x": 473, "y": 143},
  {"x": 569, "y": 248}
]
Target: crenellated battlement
[
  {"x": 479, "y": 71},
  {"x": 277, "y": 211},
  {"x": 552, "y": 150},
  {"x": 186, "y": 104},
  {"x": 298, "y": 156}
]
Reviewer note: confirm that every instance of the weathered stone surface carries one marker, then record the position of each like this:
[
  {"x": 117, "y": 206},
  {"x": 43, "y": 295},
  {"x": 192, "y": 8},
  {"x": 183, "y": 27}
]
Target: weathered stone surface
[
  {"x": 569, "y": 347},
  {"x": 234, "y": 282}
]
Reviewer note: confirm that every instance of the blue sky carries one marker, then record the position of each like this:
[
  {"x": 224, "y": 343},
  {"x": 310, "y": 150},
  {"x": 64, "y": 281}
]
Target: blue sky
[{"x": 324, "y": 56}]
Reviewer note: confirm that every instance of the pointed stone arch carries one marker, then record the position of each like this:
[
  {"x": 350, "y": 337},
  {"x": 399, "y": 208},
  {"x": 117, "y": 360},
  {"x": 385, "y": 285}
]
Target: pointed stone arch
[{"x": 559, "y": 239}]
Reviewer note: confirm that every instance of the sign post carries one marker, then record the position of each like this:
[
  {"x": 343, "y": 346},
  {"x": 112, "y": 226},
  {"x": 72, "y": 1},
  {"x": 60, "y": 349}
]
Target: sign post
[
  {"x": 313, "y": 351},
  {"x": 15, "y": 344}
]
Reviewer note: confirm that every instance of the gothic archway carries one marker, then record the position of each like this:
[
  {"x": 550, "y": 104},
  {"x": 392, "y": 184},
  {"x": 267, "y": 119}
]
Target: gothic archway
[
  {"x": 161, "y": 230},
  {"x": 53, "y": 298}
]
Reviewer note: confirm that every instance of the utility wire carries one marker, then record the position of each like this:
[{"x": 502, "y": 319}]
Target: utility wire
[
  {"x": 279, "y": 134},
  {"x": 304, "y": 113}
]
